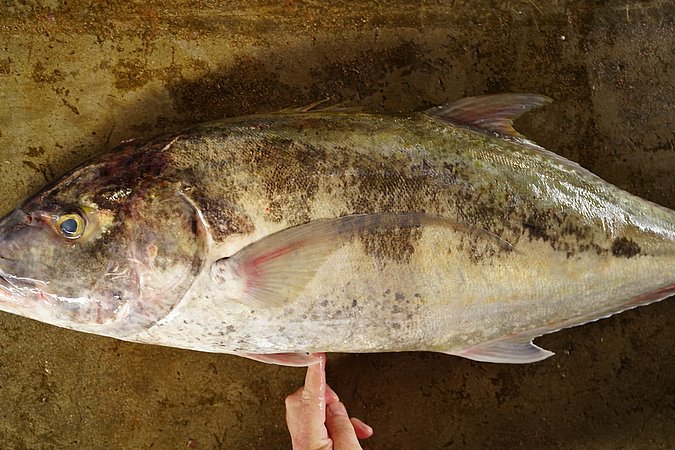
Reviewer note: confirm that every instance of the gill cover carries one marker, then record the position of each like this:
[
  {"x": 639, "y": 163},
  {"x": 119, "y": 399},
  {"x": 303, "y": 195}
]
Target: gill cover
[{"x": 165, "y": 251}]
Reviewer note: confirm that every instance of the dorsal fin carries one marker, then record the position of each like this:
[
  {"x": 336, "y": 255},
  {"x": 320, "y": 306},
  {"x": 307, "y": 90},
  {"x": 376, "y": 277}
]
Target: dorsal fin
[{"x": 494, "y": 113}]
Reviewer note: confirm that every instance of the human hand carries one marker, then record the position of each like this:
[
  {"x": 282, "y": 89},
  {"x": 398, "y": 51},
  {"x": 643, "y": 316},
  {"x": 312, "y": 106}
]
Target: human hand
[{"x": 316, "y": 418}]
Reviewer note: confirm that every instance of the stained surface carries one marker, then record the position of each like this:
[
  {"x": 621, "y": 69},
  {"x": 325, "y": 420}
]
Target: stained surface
[{"x": 77, "y": 77}]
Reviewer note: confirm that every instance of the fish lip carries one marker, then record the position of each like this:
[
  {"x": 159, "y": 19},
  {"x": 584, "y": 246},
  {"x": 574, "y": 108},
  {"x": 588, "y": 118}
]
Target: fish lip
[
  {"x": 10, "y": 294},
  {"x": 7, "y": 286},
  {"x": 14, "y": 285}
]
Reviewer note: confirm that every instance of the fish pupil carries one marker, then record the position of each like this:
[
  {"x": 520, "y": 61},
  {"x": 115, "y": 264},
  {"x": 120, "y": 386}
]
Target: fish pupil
[{"x": 69, "y": 227}]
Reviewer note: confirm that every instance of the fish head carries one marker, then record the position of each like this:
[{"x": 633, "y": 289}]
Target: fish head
[{"x": 109, "y": 249}]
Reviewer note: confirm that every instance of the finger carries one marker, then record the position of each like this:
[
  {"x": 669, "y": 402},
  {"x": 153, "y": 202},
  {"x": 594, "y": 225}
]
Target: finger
[
  {"x": 305, "y": 409},
  {"x": 314, "y": 391},
  {"x": 294, "y": 407},
  {"x": 331, "y": 396},
  {"x": 340, "y": 428},
  {"x": 363, "y": 430}
]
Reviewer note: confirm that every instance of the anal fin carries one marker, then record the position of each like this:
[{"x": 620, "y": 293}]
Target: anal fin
[{"x": 505, "y": 352}]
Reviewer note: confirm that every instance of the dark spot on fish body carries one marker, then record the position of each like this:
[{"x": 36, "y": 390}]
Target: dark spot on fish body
[
  {"x": 204, "y": 171},
  {"x": 135, "y": 159},
  {"x": 479, "y": 252},
  {"x": 564, "y": 232},
  {"x": 290, "y": 172},
  {"x": 223, "y": 215},
  {"x": 389, "y": 183},
  {"x": 536, "y": 225},
  {"x": 132, "y": 166},
  {"x": 396, "y": 245},
  {"x": 394, "y": 183},
  {"x": 396, "y": 309},
  {"x": 624, "y": 247}
]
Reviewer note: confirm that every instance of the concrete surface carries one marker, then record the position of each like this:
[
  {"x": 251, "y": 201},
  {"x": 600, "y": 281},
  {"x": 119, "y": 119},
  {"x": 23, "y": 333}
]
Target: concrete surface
[{"x": 78, "y": 76}]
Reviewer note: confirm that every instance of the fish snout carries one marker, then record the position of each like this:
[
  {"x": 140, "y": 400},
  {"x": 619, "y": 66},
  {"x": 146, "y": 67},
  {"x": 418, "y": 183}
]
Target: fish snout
[{"x": 10, "y": 226}]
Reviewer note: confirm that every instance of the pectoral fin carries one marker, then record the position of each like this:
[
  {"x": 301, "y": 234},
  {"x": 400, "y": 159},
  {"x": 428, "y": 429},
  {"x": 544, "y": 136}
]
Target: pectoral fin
[
  {"x": 274, "y": 270},
  {"x": 505, "y": 352}
]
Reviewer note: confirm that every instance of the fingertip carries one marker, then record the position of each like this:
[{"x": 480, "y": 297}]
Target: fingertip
[
  {"x": 337, "y": 409},
  {"x": 340, "y": 428},
  {"x": 362, "y": 429},
  {"x": 331, "y": 395}
]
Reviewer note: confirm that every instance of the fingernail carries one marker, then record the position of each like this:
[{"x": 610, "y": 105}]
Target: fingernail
[{"x": 337, "y": 409}]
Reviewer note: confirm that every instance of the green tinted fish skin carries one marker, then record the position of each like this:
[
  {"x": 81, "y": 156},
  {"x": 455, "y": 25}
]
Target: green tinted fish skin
[{"x": 162, "y": 214}]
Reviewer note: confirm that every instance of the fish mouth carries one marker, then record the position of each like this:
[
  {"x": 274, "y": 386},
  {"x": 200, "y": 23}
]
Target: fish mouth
[
  {"x": 5, "y": 284},
  {"x": 13, "y": 289}
]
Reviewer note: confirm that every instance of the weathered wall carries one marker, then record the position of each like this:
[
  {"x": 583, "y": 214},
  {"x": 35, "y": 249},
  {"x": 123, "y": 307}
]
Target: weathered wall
[{"x": 76, "y": 77}]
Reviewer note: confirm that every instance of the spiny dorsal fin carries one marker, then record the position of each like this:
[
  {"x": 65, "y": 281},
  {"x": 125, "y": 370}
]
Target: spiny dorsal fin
[{"x": 494, "y": 113}]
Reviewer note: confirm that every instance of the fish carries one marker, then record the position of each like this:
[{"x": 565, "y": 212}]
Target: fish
[{"x": 324, "y": 229}]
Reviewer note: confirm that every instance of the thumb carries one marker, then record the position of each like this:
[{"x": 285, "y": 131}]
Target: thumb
[{"x": 340, "y": 428}]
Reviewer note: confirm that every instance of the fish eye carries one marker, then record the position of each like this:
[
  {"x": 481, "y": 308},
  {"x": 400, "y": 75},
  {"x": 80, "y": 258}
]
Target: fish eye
[{"x": 70, "y": 226}]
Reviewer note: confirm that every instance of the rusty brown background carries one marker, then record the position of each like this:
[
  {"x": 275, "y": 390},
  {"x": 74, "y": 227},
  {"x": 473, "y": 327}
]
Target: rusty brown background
[{"x": 77, "y": 76}]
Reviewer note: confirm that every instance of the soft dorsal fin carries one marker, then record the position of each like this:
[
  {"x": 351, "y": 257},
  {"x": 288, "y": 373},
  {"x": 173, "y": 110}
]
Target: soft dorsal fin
[{"x": 494, "y": 113}]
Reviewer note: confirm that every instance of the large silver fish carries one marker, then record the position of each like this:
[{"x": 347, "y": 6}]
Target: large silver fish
[{"x": 271, "y": 236}]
